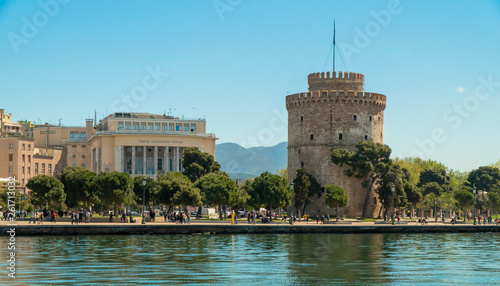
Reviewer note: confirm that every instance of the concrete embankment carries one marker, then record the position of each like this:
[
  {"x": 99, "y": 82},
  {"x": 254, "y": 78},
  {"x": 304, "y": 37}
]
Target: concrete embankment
[{"x": 95, "y": 229}]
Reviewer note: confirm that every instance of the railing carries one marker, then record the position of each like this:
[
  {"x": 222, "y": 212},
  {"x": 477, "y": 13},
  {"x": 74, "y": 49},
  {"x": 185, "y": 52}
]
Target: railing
[{"x": 154, "y": 132}]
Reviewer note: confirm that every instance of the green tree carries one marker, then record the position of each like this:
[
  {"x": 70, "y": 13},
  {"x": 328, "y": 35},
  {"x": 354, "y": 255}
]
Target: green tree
[
  {"x": 486, "y": 178},
  {"x": 369, "y": 162},
  {"x": 170, "y": 184},
  {"x": 434, "y": 181},
  {"x": 217, "y": 189},
  {"x": 196, "y": 164},
  {"x": 187, "y": 196},
  {"x": 305, "y": 186},
  {"x": 114, "y": 188},
  {"x": 47, "y": 191},
  {"x": 494, "y": 201},
  {"x": 79, "y": 187},
  {"x": 464, "y": 199},
  {"x": 336, "y": 196},
  {"x": 270, "y": 191},
  {"x": 150, "y": 190}
]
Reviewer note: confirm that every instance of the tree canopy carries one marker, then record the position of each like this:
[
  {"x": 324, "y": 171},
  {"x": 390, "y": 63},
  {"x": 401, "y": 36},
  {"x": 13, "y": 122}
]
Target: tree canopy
[
  {"x": 46, "y": 190},
  {"x": 79, "y": 187},
  {"x": 269, "y": 190},
  {"x": 196, "y": 164},
  {"x": 114, "y": 188},
  {"x": 369, "y": 162}
]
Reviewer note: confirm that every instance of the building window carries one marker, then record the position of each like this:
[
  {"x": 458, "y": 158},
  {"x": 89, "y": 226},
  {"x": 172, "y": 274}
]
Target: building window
[
  {"x": 84, "y": 165},
  {"x": 157, "y": 126},
  {"x": 22, "y": 170},
  {"x": 29, "y": 170},
  {"x": 139, "y": 149},
  {"x": 171, "y": 166},
  {"x": 74, "y": 155},
  {"x": 186, "y": 127},
  {"x": 83, "y": 156},
  {"x": 36, "y": 168},
  {"x": 29, "y": 147},
  {"x": 171, "y": 126},
  {"x": 298, "y": 152},
  {"x": 11, "y": 157},
  {"x": 355, "y": 117},
  {"x": 74, "y": 146},
  {"x": 340, "y": 136},
  {"x": 83, "y": 135},
  {"x": 73, "y": 165},
  {"x": 24, "y": 146},
  {"x": 193, "y": 127},
  {"x": 127, "y": 125},
  {"x": 371, "y": 118},
  {"x": 150, "y": 126},
  {"x": 50, "y": 169},
  {"x": 74, "y": 135},
  {"x": 11, "y": 169},
  {"x": 302, "y": 164},
  {"x": 136, "y": 126},
  {"x": 22, "y": 182},
  {"x": 11, "y": 146},
  {"x": 178, "y": 127},
  {"x": 164, "y": 126},
  {"x": 149, "y": 149},
  {"x": 143, "y": 125},
  {"x": 312, "y": 137},
  {"x": 29, "y": 159},
  {"x": 366, "y": 137},
  {"x": 43, "y": 168},
  {"x": 301, "y": 118},
  {"x": 83, "y": 146},
  {"x": 379, "y": 118},
  {"x": 120, "y": 125},
  {"x": 23, "y": 158}
]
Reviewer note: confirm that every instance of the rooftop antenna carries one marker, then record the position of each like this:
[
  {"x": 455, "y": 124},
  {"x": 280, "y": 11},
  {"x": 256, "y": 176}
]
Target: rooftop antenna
[
  {"x": 95, "y": 117},
  {"x": 59, "y": 121},
  {"x": 333, "y": 44}
]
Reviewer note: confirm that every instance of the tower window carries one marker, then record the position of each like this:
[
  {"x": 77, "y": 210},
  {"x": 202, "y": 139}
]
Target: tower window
[
  {"x": 302, "y": 164},
  {"x": 366, "y": 137},
  {"x": 312, "y": 137},
  {"x": 355, "y": 117},
  {"x": 370, "y": 118},
  {"x": 301, "y": 118},
  {"x": 340, "y": 136},
  {"x": 298, "y": 152},
  {"x": 379, "y": 118}
]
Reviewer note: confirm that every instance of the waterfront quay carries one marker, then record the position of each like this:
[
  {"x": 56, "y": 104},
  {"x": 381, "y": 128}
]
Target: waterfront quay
[{"x": 23, "y": 228}]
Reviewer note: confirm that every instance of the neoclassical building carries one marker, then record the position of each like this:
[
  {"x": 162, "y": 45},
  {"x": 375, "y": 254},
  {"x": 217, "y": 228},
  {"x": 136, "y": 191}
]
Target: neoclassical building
[{"x": 144, "y": 143}]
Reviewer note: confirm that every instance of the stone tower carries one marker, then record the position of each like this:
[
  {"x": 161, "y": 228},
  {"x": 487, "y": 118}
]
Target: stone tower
[{"x": 334, "y": 113}]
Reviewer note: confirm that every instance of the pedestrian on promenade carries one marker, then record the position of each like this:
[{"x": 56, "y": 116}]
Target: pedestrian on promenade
[
  {"x": 53, "y": 216},
  {"x": 110, "y": 217},
  {"x": 327, "y": 217},
  {"x": 249, "y": 216},
  {"x": 317, "y": 219},
  {"x": 124, "y": 217},
  {"x": 41, "y": 218},
  {"x": 398, "y": 219},
  {"x": 32, "y": 217}
]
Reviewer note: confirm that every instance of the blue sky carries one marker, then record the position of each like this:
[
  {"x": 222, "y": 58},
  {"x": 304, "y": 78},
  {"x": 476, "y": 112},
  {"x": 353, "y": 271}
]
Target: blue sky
[{"x": 234, "y": 61}]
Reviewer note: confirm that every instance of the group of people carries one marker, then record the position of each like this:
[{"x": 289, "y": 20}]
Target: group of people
[
  {"x": 78, "y": 217},
  {"x": 178, "y": 217}
]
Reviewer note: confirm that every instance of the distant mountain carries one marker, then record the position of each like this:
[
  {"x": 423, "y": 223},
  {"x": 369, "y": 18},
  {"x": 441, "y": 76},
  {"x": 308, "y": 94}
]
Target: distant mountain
[{"x": 244, "y": 163}]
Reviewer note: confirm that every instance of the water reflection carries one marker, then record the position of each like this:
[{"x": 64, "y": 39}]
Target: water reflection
[{"x": 301, "y": 259}]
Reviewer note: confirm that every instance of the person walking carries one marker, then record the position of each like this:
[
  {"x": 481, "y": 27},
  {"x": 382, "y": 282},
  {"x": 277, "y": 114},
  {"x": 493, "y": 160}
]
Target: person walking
[{"x": 53, "y": 216}]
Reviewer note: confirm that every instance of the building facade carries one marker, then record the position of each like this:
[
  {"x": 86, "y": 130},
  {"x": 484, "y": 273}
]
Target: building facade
[
  {"x": 146, "y": 144},
  {"x": 335, "y": 113},
  {"x": 136, "y": 143}
]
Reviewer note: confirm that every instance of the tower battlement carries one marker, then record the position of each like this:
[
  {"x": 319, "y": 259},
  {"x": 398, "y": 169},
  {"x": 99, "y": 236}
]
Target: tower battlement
[
  {"x": 335, "y": 81},
  {"x": 340, "y": 96}
]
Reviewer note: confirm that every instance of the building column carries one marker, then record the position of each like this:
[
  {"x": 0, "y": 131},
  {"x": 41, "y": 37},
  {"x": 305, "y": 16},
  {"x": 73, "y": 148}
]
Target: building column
[
  {"x": 118, "y": 158},
  {"x": 176, "y": 163},
  {"x": 167, "y": 166},
  {"x": 124, "y": 159},
  {"x": 133, "y": 160},
  {"x": 144, "y": 149},
  {"x": 155, "y": 161}
]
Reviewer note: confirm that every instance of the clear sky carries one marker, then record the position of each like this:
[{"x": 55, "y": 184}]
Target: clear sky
[{"x": 234, "y": 61}]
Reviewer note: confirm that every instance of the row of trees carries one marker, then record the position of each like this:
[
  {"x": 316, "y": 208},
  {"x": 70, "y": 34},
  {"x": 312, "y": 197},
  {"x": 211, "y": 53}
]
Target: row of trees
[
  {"x": 418, "y": 183},
  {"x": 201, "y": 183}
]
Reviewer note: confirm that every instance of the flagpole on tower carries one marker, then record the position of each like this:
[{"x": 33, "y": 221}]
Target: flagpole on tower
[{"x": 333, "y": 44}]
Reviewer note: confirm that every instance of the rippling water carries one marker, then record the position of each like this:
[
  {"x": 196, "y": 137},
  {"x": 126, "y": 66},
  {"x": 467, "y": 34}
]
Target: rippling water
[{"x": 299, "y": 259}]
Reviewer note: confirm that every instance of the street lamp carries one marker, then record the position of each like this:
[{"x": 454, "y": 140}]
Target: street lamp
[
  {"x": 393, "y": 191},
  {"x": 474, "y": 191},
  {"x": 143, "y": 199},
  {"x": 291, "y": 213}
]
